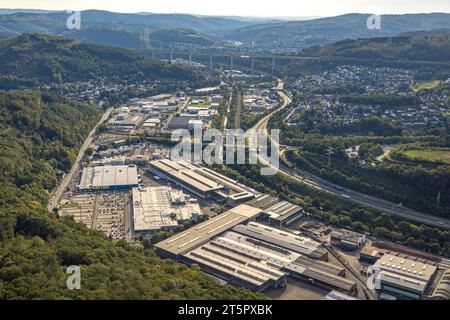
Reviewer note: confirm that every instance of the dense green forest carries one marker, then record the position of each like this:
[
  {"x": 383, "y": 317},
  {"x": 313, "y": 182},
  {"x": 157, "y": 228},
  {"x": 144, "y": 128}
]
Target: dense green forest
[
  {"x": 40, "y": 134},
  {"x": 134, "y": 37},
  {"x": 419, "y": 46},
  {"x": 36, "y": 58}
]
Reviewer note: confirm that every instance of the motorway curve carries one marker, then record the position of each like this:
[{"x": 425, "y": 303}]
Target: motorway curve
[{"x": 344, "y": 193}]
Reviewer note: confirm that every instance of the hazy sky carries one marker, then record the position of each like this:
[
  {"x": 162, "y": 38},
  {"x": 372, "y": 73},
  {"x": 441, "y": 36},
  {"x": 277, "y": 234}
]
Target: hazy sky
[{"x": 286, "y": 8}]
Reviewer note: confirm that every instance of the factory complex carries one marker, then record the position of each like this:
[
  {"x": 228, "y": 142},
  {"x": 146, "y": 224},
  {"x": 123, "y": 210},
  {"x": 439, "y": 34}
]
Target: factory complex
[
  {"x": 201, "y": 181},
  {"x": 235, "y": 248},
  {"x": 203, "y": 232},
  {"x": 252, "y": 244}
]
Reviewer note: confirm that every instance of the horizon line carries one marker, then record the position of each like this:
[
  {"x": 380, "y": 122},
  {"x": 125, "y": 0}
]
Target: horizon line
[{"x": 283, "y": 17}]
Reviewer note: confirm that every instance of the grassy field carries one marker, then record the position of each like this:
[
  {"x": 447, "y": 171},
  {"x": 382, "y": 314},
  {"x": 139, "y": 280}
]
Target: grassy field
[
  {"x": 429, "y": 154},
  {"x": 426, "y": 85}
]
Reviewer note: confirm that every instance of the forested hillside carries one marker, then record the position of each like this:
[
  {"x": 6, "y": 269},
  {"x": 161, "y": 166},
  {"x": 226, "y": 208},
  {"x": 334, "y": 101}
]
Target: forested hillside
[
  {"x": 47, "y": 59},
  {"x": 135, "y": 39},
  {"x": 54, "y": 22},
  {"x": 39, "y": 134},
  {"x": 426, "y": 52},
  {"x": 420, "y": 46},
  {"x": 292, "y": 36}
]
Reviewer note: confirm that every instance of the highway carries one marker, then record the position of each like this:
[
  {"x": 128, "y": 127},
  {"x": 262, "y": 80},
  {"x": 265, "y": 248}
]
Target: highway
[
  {"x": 235, "y": 55},
  {"x": 344, "y": 193},
  {"x": 361, "y": 198},
  {"x": 262, "y": 124},
  {"x": 57, "y": 193}
]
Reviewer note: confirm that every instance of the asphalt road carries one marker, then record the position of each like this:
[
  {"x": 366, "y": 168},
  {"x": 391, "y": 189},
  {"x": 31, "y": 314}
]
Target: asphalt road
[
  {"x": 57, "y": 193},
  {"x": 262, "y": 124},
  {"x": 344, "y": 193}
]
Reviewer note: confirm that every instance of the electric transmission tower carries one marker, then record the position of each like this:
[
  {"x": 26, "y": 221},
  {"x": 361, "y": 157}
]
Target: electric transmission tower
[{"x": 329, "y": 153}]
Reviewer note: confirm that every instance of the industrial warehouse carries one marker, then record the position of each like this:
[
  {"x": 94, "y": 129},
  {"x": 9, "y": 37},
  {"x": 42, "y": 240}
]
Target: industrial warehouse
[
  {"x": 404, "y": 278},
  {"x": 233, "y": 247},
  {"x": 347, "y": 240},
  {"x": 275, "y": 212},
  {"x": 277, "y": 237},
  {"x": 202, "y": 182},
  {"x": 109, "y": 178},
  {"x": 203, "y": 232},
  {"x": 182, "y": 175},
  {"x": 156, "y": 208}
]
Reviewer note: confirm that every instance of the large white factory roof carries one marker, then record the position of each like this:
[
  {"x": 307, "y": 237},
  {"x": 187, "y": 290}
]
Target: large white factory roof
[
  {"x": 184, "y": 174},
  {"x": 406, "y": 273},
  {"x": 203, "y": 232},
  {"x": 108, "y": 176},
  {"x": 282, "y": 210},
  {"x": 160, "y": 207},
  {"x": 279, "y": 237}
]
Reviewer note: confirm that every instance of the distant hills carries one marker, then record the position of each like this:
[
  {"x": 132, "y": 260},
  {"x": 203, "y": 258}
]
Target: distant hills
[
  {"x": 297, "y": 35},
  {"x": 10, "y": 11},
  {"x": 124, "y": 30},
  {"x": 414, "y": 46},
  {"x": 55, "y": 22},
  {"x": 132, "y": 39},
  {"x": 426, "y": 52},
  {"x": 186, "y": 31},
  {"x": 48, "y": 59}
]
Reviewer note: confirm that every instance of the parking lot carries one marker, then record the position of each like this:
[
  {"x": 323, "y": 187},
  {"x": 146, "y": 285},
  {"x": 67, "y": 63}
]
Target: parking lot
[{"x": 107, "y": 211}]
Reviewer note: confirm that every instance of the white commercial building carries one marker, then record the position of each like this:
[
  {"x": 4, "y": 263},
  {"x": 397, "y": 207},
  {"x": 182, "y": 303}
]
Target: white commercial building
[
  {"x": 402, "y": 277},
  {"x": 109, "y": 177},
  {"x": 156, "y": 208}
]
